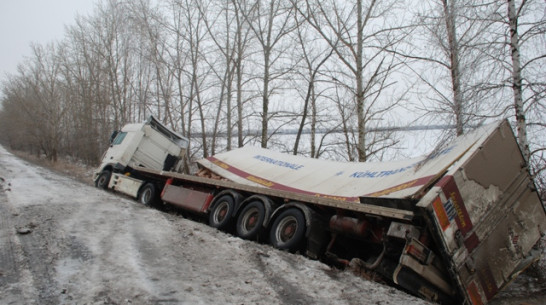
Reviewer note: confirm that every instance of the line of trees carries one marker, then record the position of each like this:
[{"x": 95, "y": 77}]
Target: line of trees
[{"x": 224, "y": 67}]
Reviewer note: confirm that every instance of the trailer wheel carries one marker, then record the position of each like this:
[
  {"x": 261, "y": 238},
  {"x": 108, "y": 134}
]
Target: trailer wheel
[
  {"x": 250, "y": 220},
  {"x": 103, "y": 180},
  {"x": 148, "y": 194},
  {"x": 288, "y": 230},
  {"x": 221, "y": 212}
]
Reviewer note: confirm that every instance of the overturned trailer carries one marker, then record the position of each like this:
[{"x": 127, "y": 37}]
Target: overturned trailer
[{"x": 455, "y": 226}]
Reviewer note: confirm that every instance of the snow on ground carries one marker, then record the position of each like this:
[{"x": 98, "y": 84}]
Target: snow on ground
[{"x": 65, "y": 242}]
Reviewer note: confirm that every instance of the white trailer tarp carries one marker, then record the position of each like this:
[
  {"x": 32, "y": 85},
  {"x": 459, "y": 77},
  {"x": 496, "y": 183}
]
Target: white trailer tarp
[{"x": 343, "y": 180}]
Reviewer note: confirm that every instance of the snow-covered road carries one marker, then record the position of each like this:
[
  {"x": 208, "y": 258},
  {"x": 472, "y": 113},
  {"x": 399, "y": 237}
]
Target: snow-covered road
[{"x": 64, "y": 242}]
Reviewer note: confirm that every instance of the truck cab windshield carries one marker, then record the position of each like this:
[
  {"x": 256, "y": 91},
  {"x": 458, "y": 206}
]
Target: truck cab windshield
[{"x": 119, "y": 138}]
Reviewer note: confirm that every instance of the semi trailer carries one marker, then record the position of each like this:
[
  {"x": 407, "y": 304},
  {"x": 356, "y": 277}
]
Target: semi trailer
[{"x": 454, "y": 227}]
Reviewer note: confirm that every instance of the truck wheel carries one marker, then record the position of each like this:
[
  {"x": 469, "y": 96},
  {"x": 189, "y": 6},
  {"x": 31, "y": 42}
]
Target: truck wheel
[
  {"x": 103, "y": 180},
  {"x": 288, "y": 230},
  {"x": 221, "y": 212},
  {"x": 148, "y": 194},
  {"x": 250, "y": 220}
]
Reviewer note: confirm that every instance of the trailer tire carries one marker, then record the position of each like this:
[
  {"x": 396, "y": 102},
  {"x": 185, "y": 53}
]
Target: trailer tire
[
  {"x": 148, "y": 194},
  {"x": 250, "y": 220},
  {"x": 288, "y": 230},
  {"x": 104, "y": 179},
  {"x": 221, "y": 212}
]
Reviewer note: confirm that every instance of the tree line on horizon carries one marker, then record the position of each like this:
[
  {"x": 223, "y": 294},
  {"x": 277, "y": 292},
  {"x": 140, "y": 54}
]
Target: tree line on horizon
[{"x": 220, "y": 69}]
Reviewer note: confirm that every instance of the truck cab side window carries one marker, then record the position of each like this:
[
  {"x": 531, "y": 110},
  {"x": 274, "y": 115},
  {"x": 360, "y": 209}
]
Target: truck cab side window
[
  {"x": 119, "y": 138},
  {"x": 113, "y": 135}
]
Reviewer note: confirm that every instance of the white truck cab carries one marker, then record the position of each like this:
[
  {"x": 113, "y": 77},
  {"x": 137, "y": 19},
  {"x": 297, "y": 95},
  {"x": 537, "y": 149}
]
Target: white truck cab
[{"x": 148, "y": 145}]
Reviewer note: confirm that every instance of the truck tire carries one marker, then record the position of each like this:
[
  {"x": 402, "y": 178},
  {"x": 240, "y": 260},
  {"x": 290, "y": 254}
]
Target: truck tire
[
  {"x": 103, "y": 180},
  {"x": 148, "y": 194},
  {"x": 288, "y": 230},
  {"x": 221, "y": 212},
  {"x": 250, "y": 220}
]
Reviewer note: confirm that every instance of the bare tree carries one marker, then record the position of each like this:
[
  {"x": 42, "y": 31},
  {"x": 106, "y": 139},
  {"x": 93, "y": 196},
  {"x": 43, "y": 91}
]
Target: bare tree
[
  {"x": 454, "y": 68},
  {"x": 313, "y": 58},
  {"x": 364, "y": 33},
  {"x": 177, "y": 61},
  {"x": 534, "y": 29},
  {"x": 194, "y": 34},
  {"x": 522, "y": 58},
  {"x": 517, "y": 77},
  {"x": 38, "y": 101},
  {"x": 114, "y": 44},
  {"x": 87, "y": 80},
  {"x": 448, "y": 44},
  {"x": 222, "y": 39},
  {"x": 270, "y": 22},
  {"x": 513, "y": 43},
  {"x": 153, "y": 59},
  {"x": 18, "y": 132},
  {"x": 242, "y": 43},
  {"x": 227, "y": 30}
]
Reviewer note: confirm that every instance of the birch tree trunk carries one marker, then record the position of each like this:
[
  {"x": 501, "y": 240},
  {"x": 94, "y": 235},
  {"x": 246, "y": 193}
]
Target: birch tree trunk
[
  {"x": 453, "y": 48},
  {"x": 521, "y": 124},
  {"x": 360, "y": 107}
]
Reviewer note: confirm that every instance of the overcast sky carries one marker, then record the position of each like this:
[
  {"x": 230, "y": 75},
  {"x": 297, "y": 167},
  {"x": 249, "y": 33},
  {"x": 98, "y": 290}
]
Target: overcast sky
[{"x": 23, "y": 22}]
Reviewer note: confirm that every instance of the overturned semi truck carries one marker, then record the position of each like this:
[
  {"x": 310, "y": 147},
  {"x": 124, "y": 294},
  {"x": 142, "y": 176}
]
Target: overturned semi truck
[{"x": 453, "y": 227}]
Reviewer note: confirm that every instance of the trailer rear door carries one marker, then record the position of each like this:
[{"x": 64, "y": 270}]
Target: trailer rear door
[{"x": 488, "y": 216}]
